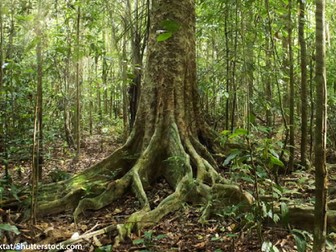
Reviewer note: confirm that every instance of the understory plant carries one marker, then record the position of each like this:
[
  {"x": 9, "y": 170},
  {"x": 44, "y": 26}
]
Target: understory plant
[{"x": 255, "y": 164}]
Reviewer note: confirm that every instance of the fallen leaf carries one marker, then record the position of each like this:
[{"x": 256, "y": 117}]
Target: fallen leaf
[{"x": 200, "y": 245}]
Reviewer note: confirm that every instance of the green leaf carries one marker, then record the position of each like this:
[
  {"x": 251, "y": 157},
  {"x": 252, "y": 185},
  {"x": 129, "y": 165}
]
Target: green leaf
[
  {"x": 225, "y": 132},
  {"x": 284, "y": 212},
  {"x": 107, "y": 248},
  {"x": 274, "y": 153},
  {"x": 278, "y": 191},
  {"x": 276, "y": 161},
  {"x": 231, "y": 235},
  {"x": 138, "y": 241},
  {"x": 330, "y": 245},
  {"x": 248, "y": 179},
  {"x": 232, "y": 156},
  {"x": 24, "y": 18},
  {"x": 300, "y": 240},
  {"x": 148, "y": 235},
  {"x": 215, "y": 238},
  {"x": 160, "y": 236},
  {"x": 9, "y": 228},
  {"x": 164, "y": 36},
  {"x": 241, "y": 132},
  {"x": 264, "y": 209},
  {"x": 275, "y": 218},
  {"x": 267, "y": 246},
  {"x": 170, "y": 25},
  {"x": 261, "y": 173}
]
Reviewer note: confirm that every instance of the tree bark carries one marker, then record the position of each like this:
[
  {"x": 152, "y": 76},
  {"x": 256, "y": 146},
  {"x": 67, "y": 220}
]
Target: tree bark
[
  {"x": 304, "y": 93},
  {"x": 78, "y": 89},
  {"x": 268, "y": 86},
  {"x": 1, "y": 46},
  {"x": 321, "y": 172},
  {"x": 2, "y": 143},
  {"x": 291, "y": 91},
  {"x": 39, "y": 99}
]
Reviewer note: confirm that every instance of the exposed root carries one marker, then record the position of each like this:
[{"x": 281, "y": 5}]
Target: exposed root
[
  {"x": 114, "y": 191},
  {"x": 202, "y": 189},
  {"x": 171, "y": 154},
  {"x": 145, "y": 217},
  {"x": 303, "y": 217},
  {"x": 65, "y": 195},
  {"x": 69, "y": 201},
  {"x": 205, "y": 172}
]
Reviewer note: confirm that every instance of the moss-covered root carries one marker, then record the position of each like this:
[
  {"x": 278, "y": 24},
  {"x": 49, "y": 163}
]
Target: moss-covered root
[
  {"x": 223, "y": 195},
  {"x": 113, "y": 191},
  {"x": 118, "y": 188},
  {"x": 65, "y": 195},
  {"x": 146, "y": 217},
  {"x": 188, "y": 190}
]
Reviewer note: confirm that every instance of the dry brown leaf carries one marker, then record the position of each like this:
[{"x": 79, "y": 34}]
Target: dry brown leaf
[
  {"x": 200, "y": 245},
  {"x": 117, "y": 211}
]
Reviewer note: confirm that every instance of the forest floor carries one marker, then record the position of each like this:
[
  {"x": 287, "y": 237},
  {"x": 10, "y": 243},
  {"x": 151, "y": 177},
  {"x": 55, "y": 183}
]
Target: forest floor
[{"x": 179, "y": 231}]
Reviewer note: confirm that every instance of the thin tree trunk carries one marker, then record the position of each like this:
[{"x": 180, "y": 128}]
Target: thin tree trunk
[
  {"x": 8, "y": 93},
  {"x": 134, "y": 87},
  {"x": 321, "y": 172},
  {"x": 312, "y": 109},
  {"x": 304, "y": 103},
  {"x": 1, "y": 46},
  {"x": 37, "y": 157},
  {"x": 35, "y": 167},
  {"x": 104, "y": 79},
  {"x": 291, "y": 92},
  {"x": 2, "y": 144},
  {"x": 66, "y": 111},
  {"x": 39, "y": 103},
  {"x": 6, "y": 129},
  {"x": 247, "y": 24},
  {"x": 78, "y": 91},
  {"x": 99, "y": 101},
  {"x": 268, "y": 85},
  {"x": 124, "y": 91},
  {"x": 3, "y": 122},
  {"x": 228, "y": 65},
  {"x": 234, "y": 83}
]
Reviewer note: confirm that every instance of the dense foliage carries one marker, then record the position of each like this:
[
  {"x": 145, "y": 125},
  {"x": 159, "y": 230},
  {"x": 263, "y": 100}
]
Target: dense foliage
[{"x": 88, "y": 58}]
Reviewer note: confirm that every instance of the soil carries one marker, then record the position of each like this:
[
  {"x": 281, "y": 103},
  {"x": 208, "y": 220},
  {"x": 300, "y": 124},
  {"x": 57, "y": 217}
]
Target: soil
[{"x": 180, "y": 231}]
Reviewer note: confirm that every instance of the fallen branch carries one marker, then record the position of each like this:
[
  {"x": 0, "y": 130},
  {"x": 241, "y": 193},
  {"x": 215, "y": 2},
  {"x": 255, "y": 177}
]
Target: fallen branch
[{"x": 83, "y": 237}]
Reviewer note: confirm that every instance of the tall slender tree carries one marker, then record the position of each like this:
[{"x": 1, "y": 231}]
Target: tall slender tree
[
  {"x": 291, "y": 90},
  {"x": 268, "y": 53},
  {"x": 321, "y": 172},
  {"x": 2, "y": 113},
  {"x": 78, "y": 87},
  {"x": 39, "y": 93},
  {"x": 1, "y": 45},
  {"x": 304, "y": 93},
  {"x": 37, "y": 155}
]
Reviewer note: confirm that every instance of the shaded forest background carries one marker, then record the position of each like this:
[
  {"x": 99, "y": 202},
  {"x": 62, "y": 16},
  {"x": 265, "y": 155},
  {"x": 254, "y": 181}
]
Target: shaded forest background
[
  {"x": 245, "y": 57},
  {"x": 72, "y": 71}
]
